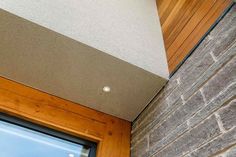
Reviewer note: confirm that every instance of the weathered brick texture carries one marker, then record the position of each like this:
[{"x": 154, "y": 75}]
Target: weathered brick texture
[{"x": 195, "y": 113}]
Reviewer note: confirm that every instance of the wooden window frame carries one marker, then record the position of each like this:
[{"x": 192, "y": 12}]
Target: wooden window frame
[{"x": 111, "y": 134}]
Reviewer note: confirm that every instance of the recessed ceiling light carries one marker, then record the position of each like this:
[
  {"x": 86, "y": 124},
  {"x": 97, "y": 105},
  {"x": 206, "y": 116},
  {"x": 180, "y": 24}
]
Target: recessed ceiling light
[
  {"x": 106, "y": 89},
  {"x": 71, "y": 155}
]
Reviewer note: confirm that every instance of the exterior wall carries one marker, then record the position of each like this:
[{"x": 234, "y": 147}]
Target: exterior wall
[{"x": 195, "y": 114}]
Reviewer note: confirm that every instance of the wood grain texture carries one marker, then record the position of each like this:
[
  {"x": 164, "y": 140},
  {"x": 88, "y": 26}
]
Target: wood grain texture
[
  {"x": 185, "y": 22},
  {"x": 112, "y": 134}
]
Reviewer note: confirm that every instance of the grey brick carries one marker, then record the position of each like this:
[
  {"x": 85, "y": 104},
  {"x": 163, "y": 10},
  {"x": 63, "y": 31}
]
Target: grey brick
[
  {"x": 168, "y": 139},
  {"x": 144, "y": 115},
  {"x": 217, "y": 145},
  {"x": 222, "y": 79},
  {"x": 155, "y": 121},
  {"x": 174, "y": 96},
  {"x": 190, "y": 75},
  {"x": 228, "y": 115},
  {"x": 231, "y": 52},
  {"x": 170, "y": 86},
  {"x": 225, "y": 41},
  {"x": 192, "y": 139},
  {"x": 157, "y": 112},
  {"x": 198, "y": 54},
  {"x": 221, "y": 99},
  {"x": 140, "y": 148},
  {"x": 156, "y": 109},
  {"x": 225, "y": 33},
  {"x": 177, "y": 118},
  {"x": 166, "y": 118},
  {"x": 159, "y": 103},
  {"x": 153, "y": 118}
]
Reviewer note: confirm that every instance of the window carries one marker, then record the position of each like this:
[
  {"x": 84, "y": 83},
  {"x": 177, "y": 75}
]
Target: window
[{"x": 19, "y": 138}]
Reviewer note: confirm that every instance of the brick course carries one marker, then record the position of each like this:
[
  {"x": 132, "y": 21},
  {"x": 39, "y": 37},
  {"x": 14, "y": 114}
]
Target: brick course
[{"x": 195, "y": 113}]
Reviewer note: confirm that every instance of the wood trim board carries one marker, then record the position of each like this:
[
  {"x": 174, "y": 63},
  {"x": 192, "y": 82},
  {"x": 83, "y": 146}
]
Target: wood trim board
[{"x": 112, "y": 134}]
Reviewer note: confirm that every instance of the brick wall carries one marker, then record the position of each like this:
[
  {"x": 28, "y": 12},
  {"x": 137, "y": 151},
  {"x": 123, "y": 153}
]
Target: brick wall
[{"x": 195, "y": 114}]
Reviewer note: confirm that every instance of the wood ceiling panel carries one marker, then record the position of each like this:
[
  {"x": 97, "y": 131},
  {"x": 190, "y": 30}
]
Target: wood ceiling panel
[{"x": 185, "y": 22}]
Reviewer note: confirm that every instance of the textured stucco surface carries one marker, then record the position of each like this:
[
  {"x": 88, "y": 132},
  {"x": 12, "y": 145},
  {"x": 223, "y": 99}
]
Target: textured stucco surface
[
  {"x": 126, "y": 29},
  {"x": 56, "y": 64}
]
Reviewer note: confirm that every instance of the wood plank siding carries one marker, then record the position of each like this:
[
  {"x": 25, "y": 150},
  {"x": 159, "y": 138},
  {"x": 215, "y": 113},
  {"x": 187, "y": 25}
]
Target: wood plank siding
[{"x": 185, "y": 22}]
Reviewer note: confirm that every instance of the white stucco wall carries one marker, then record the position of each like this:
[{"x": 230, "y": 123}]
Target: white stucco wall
[{"x": 127, "y": 29}]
